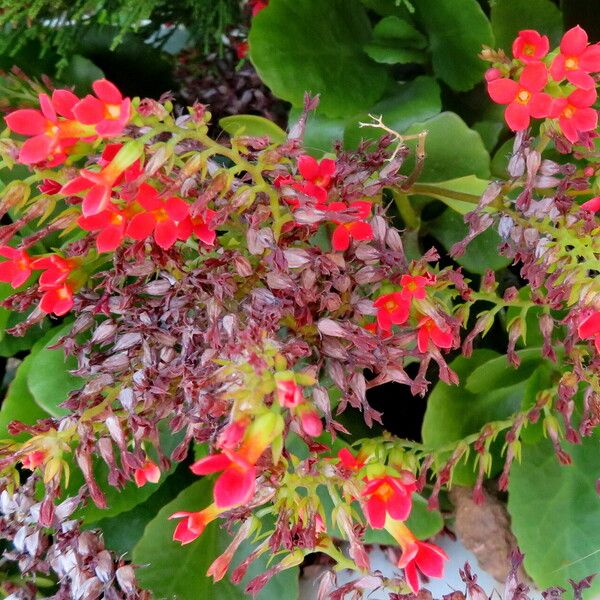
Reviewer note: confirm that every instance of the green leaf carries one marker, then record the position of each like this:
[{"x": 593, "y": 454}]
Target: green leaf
[
  {"x": 315, "y": 46},
  {"x": 481, "y": 254},
  {"x": 410, "y": 102},
  {"x": 123, "y": 531},
  {"x": 554, "y": 512},
  {"x": 457, "y": 29},
  {"x": 452, "y": 149},
  {"x": 396, "y": 41},
  {"x": 390, "y": 8},
  {"x": 320, "y": 132},
  {"x": 499, "y": 373},
  {"x": 253, "y": 125},
  {"x": 489, "y": 132},
  {"x": 424, "y": 523},
  {"x": 508, "y": 17},
  {"x": 175, "y": 571},
  {"x": 19, "y": 404},
  {"x": 48, "y": 378},
  {"x": 454, "y": 412}
]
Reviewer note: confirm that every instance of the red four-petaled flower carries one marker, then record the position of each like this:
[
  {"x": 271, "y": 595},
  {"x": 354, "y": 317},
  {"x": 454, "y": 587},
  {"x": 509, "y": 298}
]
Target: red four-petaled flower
[
  {"x": 427, "y": 558},
  {"x": 530, "y": 46},
  {"x": 576, "y": 60},
  {"x": 575, "y": 113},
  {"x": 109, "y": 112},
  {"x": 166, "y": 219},
  {"x": 345, "y": 231},
  {"x": 430, "y": 331},
  {"x": 525, "y": 98},
  {"x": 392, "y": 309},
  {"x": 17, "y": 269},
  {"x": 237, "y": 483},
  {"x": 388, "y": 495}
]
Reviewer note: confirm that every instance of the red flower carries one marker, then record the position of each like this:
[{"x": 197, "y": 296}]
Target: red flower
[
  {"x": 525, "y": 98},
  {"x": 392, "y": 309},
  {"x": 111, "y": 223},
  {"x": 389, "y": 495},
  {"x": 50, "y": 187},
  {"x": 58, "y": 296},
  {"x": 17, "y": 269},
  {"x": 56, "y": 270},
  {"x": 58, "y": 300},
  {"x": 576, "y": 59},
  {"x": 429, "y": 330},
  {"x": 575, "y": 114},
  {"x": 237, "y": 483},
  {"x": 589, "y": 328},
  {"x": 354, "y": 230},
  {"x": 166, "y": 219},
  {"x": 413, "y": 286},
  {"x": 427, "y": 558},
  {"x": 317, "y": 177},
  {"x": 109, "y": 112},
  {"x": 289, "y": 393},
  {"x": 123, "y": 163},
  {"x": 148, "y": 473},
  {"x": 198, "y": 225},
  {"x": 194, "y": 523},
  {"x": 376, "y": 330},
  {"x": 530, "y": 46},
  {"x": 311, "y": 423},
  {"x": 257, "y": 5},
  {"x": 52, "y": 137},
  {"x": 33, "y": 459},
  {"x": 349, "y": 461},
  {"x": 593, "y": 204},
  {"x": 241, "y": 49}
]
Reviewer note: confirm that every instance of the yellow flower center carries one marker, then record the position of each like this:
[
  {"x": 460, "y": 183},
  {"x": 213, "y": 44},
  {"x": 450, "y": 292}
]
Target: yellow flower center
[
  {"x": 390, "y": 305},
  {"x": 529, "y": 49},
  {"x": 569, "y": 111},
  {"x": 113, "y": 111},
  {"x": 523, "y": 97},
  {"x": 571, "y": 63}
]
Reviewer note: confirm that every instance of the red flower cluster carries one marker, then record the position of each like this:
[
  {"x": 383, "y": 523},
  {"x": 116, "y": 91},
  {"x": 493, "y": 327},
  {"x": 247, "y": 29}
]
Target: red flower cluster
[
  {"x": 531, "y": 96},
  {"x": 57, "y": 297},
  {"x": 317, "y": 179},
  {"x": 64, "y": 119}
]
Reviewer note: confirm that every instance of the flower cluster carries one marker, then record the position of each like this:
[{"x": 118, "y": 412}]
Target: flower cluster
[{"x": 557, "y": 86}]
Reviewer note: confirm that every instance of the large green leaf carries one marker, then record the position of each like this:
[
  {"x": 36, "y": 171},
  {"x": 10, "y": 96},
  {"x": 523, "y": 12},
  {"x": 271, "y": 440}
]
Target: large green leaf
[
  {"x": 408, "y": 103},
  {"x": 396, "y": 41},
  {"x": 48, "y": 378},
  {"x": 555, "y": 512},
  {"x": 481, "y": 254},
  {"x": 457, "y": 30},
  {"x": 175, "y": 571},
  {"x": 452, "y": 149},
  {"x": 508, "y": 17},
  {"x": 320, "y": 131},
  {"x": 315, "y": 46},
  {"x": 18, "y": 404},
  {"x": 454, "y": 412}
]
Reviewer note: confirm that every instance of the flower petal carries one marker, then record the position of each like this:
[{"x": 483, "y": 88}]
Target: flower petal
[
  {"x": 574, "y": 41},
  {"x": 64, "y": 101},
  {"x": 210, "y": 464},
  {"x": 503, "y": 90},
  {"x": 375, "y": 512},
  {"x": 26, "y": 121},
  {"x": 308, "y": 167},
  {"x": 165, "y": 234},
  {"x": 581, "y": 79},
  {"x": 534, "y": 77},
  {"x": 107, "y": 91},
  {"x": 517, "y": 116},
  {"x": 141, "y": 226},
  {"x": 234, "y": 487}
]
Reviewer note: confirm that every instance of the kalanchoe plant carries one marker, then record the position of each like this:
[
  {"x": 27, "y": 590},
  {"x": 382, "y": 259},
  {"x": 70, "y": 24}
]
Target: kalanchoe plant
[{"x": 239, "y": 296}]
